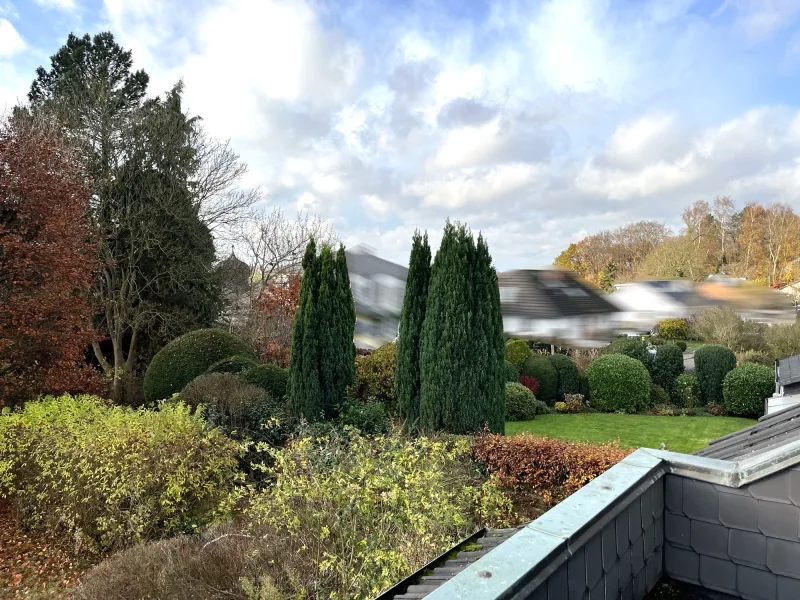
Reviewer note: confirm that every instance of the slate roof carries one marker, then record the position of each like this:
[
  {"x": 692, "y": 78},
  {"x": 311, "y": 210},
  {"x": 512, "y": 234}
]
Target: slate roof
[
  {"x": 442, "y": 569},
  {"x": 770, "y": 432},
  {"x": 551, "y": 294},
  {"x": 788, "y": 370}
]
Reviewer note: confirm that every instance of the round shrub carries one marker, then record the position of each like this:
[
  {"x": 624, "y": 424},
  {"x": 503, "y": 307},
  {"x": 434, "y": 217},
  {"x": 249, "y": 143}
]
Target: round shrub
[
  {"x": 746, "y": 387},
  {"x": 674, "y": 329},
  {"x": 511, "y": 373},
  {"x": 569, "y": 380},
  {"x": 520, "y": 403},
  {"x": 619, "y": 383},
  {"x": 634, "y": 348},
  {"x": 517, "y": 352},
  {"x": 667, "y": 365},
  {"x": 374, "y": 380},
  {"x": 541, "y": 408},
  {"x": 682, "y": 345},
  {"x": 711, "y": 364},
  {"x": 272, "y": 378},
  {"x": 369, "y": 419},
  {"x": 686, "y": 391},
  {"x": 186, "y": 357},
  {"x": 233, "y": 364},
  {"x": 543, "y": 371},
  {"x": 658, "y": 395}
]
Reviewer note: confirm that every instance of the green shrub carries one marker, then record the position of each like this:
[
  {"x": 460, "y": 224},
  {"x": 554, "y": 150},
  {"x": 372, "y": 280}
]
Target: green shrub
[
  {"x": 517, "y": 352},
  {"x": 233, "y": 364},
  {"x": 682, "y": 345},
  {"x": 633, "y": 348},
  {"x": 113, "y": 476},
  {"x": 783, "y": 340},
  {"x": 658, "y": 395},
  {"x": 519, "y": 403},
  {"x": 711, "y": 364},
  {"x": 686, "y": 391},
  {"x": 186, "y": 357},
  {"x": 667, "y": 365},
  {"x": 541, "y": 408},
  {"x": 369, "y": 419},
  {"x": 746, "y": 387},
  {"x": 374, "y": 380},
  {"x": 240, "y": 410},
  {"x": 619, "y": 383},
  {"x": 511, "y": 373},
  {"x": 569, "y": 380},
  {"x": 272, "y": 378},
  {"x": 674, "y": 329},
  {"x": 542, "y": 370},
  {"x": 758, "y": 357}
]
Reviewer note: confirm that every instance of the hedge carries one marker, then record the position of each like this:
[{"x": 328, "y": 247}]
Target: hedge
[
  {"x": 667, "y": 365},
  {"x": 686, "y": 391},
  {"x": 112, "y": 476},
  {"x": 519, "y": 403},
  {"x": 569, "y": 380},
  {"x": 272, "y": 378},
  {"x": 542, "y": 370},
  {"x": 711, "y": 364},
  {"x": 517, "y": 352},
  {"x": 619, "y": 383},
  {"x": 510, "y": 372},
  {"x": 746, "y": 387},
  {"x": 186, "y": 357},
  {"x": 374, "y": 379},
  {"x": 658, "y": 395},
  {"x": 634, "y": 348},
  {"x": 548, "y": 468}
]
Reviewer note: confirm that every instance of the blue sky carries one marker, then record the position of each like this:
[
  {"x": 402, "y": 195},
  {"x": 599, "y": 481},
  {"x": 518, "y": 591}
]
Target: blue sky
[{"x": 535, "y": 122}]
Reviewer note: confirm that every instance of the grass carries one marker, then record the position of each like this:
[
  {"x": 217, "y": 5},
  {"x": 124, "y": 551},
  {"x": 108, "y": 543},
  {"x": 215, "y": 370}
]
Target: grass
[
  {"x": 680, "y": 434},
  {"x": 693, "y": 345}
]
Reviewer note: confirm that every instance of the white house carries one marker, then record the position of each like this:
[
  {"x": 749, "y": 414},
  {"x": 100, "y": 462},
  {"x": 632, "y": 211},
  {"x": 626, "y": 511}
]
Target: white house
[{"x": 642, "y": 304}]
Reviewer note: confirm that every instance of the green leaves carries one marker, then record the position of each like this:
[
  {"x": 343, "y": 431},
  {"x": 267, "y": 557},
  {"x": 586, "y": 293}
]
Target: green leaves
[
  {"x": 745, "y": 389},
  {"x": 619, "y": 383}
]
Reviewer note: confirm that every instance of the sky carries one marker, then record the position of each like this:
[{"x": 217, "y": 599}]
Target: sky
[{"x": 534, "y": 122}]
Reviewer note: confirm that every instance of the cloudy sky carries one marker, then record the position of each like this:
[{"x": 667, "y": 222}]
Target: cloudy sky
[{"x": 535, "y": 122}]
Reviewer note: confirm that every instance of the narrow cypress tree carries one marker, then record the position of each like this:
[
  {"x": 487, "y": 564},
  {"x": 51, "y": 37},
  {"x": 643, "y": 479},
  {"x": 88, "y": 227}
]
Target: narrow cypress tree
[
  {"x": 295, "y": 385},
  {"x": 407, "y": 376},
  {"x": 493, "y": 386},
  {"x": 329, "y": 347},
  {"x": 345, "y": 328}
]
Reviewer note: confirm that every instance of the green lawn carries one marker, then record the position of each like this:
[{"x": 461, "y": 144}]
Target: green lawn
[
  {"x": 680, "y": 434},
  {"x": 693, "y": 345}
]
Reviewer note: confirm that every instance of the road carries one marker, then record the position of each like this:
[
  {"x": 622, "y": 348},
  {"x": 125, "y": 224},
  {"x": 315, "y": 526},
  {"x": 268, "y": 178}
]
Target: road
[{"x": 688, "y": 362}]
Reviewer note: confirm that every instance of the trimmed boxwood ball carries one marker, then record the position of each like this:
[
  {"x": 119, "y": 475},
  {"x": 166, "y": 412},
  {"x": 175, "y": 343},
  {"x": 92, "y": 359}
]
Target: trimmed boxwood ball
[
  {"x": 682, "y": 345},
  {"x": 272, "y": 378},
  {"x": 569, "y": 380},
  {"x": 746, "y": 387},
  {"x": 542, "y": 370},
  {"x": 511, "y": 373},
  {"x": 232, "y": 364},
  {"x": 686, "y": 391},
  {"x": 186, "y": 357},
  {"x": 520, "y": 403},
  {"x": 517, "y": 352},
  {"x": 667, "y": 365},
  {"x": 619, "y": 383},
  {"x": 711, "y": 364}
]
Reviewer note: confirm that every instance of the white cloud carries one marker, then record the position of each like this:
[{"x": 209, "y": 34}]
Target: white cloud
[
  {"x": 760, "y": 19},
  {"x": 65, "y": 5},
  {"x": 376, "y": 207},
  {"x": 11, "y": 41}
]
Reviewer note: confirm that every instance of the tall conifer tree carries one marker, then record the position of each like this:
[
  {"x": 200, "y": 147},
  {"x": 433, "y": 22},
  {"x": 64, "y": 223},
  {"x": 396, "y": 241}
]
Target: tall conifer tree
[
  {"x": 407, "y": 375},
  {"x": 345, "y": 327}
]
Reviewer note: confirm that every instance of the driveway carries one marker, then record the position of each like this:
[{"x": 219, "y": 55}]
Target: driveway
[{"x": 688, "y": 362}]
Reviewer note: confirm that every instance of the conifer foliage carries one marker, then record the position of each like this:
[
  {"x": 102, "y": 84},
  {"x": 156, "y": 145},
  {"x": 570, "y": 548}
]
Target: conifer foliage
[
  {"x": 322, "y": 362},
  {"x": 462, "y": 351},
  {"x": 408, "y": 344}
]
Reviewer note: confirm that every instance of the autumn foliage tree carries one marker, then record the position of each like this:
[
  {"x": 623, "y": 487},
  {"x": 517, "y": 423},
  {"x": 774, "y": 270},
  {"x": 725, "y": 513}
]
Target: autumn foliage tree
[
  {"x": 47, "y": 264},
  {"x": 275, "y": 307}
]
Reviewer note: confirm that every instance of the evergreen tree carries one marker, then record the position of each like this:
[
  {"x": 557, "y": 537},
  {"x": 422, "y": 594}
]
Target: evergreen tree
[
  {"x": 328, "y": 333},
  {"x": 407, "y": 375},
  {"x": 346, "y": 324},
  {"x": 493, "y": 381},
  {"x": 607, "y": 277}
]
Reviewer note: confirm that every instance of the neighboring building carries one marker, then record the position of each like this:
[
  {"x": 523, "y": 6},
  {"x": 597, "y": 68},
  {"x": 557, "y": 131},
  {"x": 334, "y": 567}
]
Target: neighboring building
[
  {"x": 793, "y": 291},
  {"x": 234, "y": 276},
  {"x": 754, "y": 302},
  {"x": 643, "y": 304},
  {"x": 378, "y": 289},
  {"x": 720, "y": 524},
  {"x": 787, "y": 385},
  {"x": 556, "y": 307}
]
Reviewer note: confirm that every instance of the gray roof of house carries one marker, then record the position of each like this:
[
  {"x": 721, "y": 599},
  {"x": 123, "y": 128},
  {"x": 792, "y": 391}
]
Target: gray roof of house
[
  {"x": 788, "y": 370},
  {"x": 552, "y": 294},
  {"x": 362, "y": 262},
  {"x": 770, "y": 432}
]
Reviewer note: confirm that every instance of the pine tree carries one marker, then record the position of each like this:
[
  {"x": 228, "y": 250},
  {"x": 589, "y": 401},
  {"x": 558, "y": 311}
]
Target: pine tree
[
  {"x": 407, "y": 377},
  {"x": 607, "y": 277}
]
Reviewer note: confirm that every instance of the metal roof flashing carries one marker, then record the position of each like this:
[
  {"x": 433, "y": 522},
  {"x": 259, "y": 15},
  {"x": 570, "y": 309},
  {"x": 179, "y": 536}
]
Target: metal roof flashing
[{"x": 522, "y": 563}]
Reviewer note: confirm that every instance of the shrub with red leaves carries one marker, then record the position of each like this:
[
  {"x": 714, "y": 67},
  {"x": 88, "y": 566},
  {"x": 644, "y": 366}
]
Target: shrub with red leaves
[
  {"x": 549, "y": 468},
  {"x": 46, "y": 266},
  {"x": 530, "y": 382}
]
